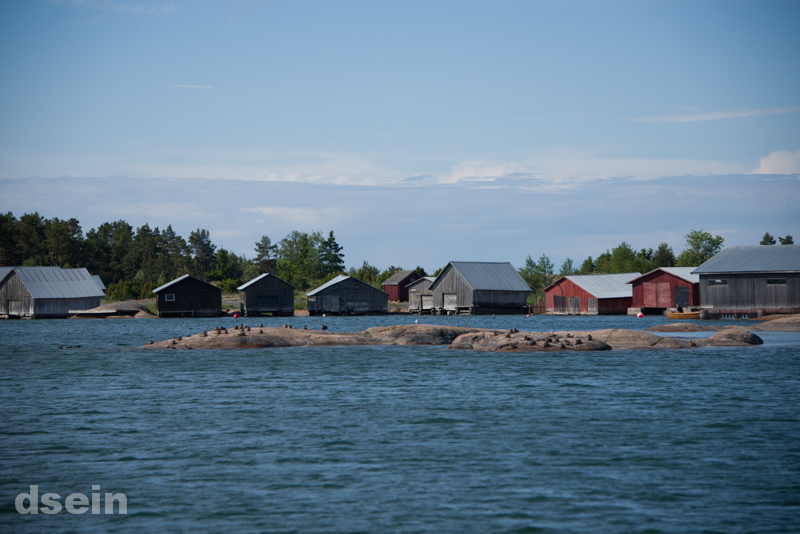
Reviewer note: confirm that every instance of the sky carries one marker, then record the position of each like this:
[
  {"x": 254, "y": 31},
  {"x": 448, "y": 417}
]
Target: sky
[{"x": 419, "y": 132}]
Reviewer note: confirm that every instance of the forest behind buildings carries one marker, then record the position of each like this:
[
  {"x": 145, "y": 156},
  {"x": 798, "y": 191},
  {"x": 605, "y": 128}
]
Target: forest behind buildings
[{"x": 133, "y": 262}]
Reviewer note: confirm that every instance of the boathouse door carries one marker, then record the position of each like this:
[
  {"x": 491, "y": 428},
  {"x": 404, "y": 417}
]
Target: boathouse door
[
  {"x": 450, "y": 301},
  {"x": 650, "y": 292},
  {"x": 682, "y": 296},
  {"x": 573, "y": 305},
  {"x": 427, "y": 302}
]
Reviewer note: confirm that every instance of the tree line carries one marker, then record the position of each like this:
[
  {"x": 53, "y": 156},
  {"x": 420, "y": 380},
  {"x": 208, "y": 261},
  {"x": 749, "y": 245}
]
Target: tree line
[{"x": 133, "y": 262}]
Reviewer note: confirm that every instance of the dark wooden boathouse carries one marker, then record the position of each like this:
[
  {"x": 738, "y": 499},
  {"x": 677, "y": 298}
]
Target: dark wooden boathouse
[
  {"x": 479, "y": 288},
  {"x": 590, "y": 294},
  {"x": 188, "y": 296},
  {"x": 267, "y": 294},
  {"x": 665, "y": 287},
  {"x": 420, "y": 296},
  {"x": 345, "y": 295},
  {"x": 396, "y": 286},
  {"x": 46, "y": 292},
  {"x": 751, "y": 281}
]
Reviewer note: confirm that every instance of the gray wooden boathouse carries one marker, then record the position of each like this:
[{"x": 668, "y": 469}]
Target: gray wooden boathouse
[
  {"x": 46, "y": 292},
  {"x": 267, "y": 294},
  {"x": 188, "y": 296},
  {"x": 345, "y": 295},
  {"x": 479, "y": 288},
  {"x": 420, "y": 296},
  {"x": 751, "y": 281}
]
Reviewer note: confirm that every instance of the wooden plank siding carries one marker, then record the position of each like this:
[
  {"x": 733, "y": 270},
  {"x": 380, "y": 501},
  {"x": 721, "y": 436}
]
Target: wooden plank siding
[
  {"x": 270, "y": 294},
  {"x": 566, "y": 289},
  {"x": 657, "y": 290},
  {"x": 451, "y": 292},
  {"x": 349, "y": 297},
  {"x": 16, "y": 299},
  {"x": 415, "y": 293},
  {"x": 193, "y": 298},
  {"x": 748, "y": 293}
]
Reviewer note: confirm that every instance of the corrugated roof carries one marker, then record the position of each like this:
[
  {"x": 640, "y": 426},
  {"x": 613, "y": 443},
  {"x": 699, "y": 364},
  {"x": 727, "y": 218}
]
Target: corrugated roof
[
  {"x": 340, "y": 278},
  {"x": 604, "y": 286},
  {"x": 396, "y": 278},
  {"x": 257, "y": 278},
  {"x": 99, "y": 282},
  {"x": 184, "y": 277},
  {"x": 756, "y": 259},
  {"x": 58, "y": 283},
  {"x": 684, "y": 273},
  {"x": 490, "y": 276}
]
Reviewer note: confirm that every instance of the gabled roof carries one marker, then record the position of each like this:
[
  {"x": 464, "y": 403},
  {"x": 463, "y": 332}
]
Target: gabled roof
[
  {"x": 423, "y": 279},
  {"x": 397, "y": 277},
  {"x": 602, "y": 286},
  {"x": 257, "y": 278},
  {"x": 55, "y": 283},
  {"x": 488, "y": 276},
  {"x": 684, "y": 273},
  {"x": 337, "y": 280},
  {"x": 756, "y": 259},
  {"x": 99, "y": 282},
  {"x": 184, "y": 277},
  {"x": 5, "y": 271}
]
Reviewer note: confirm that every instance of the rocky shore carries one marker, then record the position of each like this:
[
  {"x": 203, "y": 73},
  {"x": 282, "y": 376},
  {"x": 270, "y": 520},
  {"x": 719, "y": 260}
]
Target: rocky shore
[{"x": 479, "y": 339}]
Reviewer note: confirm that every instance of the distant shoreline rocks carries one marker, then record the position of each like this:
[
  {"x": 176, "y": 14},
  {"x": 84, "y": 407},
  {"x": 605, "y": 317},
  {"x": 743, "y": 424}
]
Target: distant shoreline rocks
[{"x": 478, "y": 339}]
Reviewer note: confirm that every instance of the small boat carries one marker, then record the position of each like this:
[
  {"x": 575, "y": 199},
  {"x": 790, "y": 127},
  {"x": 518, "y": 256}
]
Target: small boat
[{"x": 683, "y": 315}]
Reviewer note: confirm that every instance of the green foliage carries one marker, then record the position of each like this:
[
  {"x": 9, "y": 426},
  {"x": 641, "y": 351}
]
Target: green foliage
[
  {"x": 537, "y": 275},
  {"x": 767, "y": 240},
  {"x": 702, "y": 247},
  {"x": 567, "y": 268},
  {"x": 229, "y": 285},
  {"x": 125, "y": 290},
  {"x": 663, "y": 257},
  {"x": 266, "y": 255},
  {"x": 587, "y": 266},
  {"x": 786, "y": 240},
  {"x": 438, "y": 271},
  {"x": 366, "y": 273},
  {"x": 147, "y": 291},
  {"x": 420, "y": 271}
]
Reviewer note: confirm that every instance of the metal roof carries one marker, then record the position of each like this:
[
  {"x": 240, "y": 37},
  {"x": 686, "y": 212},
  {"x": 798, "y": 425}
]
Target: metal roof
[
  {"x": 257, "y": 278},
  {"x": 5, "y": 271},
  {"x": 338, "y": 279},
  {"x": 396, "y": 278},
  {"x": 604, "y": 286},
  {"x": 99, "y": 282},
  {"x": 55, "y": 283},
  {"x": 684, "y": 273},
  {"x": 756, "y": 259},
  {"x": 184, "y": 277},
  {"x": 490, "y": 276},
  {"x": 423, "y": 279}
]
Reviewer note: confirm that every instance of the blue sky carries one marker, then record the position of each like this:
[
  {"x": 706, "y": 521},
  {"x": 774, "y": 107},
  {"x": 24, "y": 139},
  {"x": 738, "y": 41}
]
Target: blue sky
[{"x": 499, "y": 129}]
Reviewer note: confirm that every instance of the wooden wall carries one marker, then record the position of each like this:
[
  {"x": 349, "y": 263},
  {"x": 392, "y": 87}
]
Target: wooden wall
[
  {"x": 748, "y": 293},
  {"x": 416, "y": 292},
  {"x": 349, "y": 297},
  {"x": 451, "y": 282},
  {"x": 672, "y": 281},
  {"x": 12, "y": 289},
  {"x": 569, "y": 290},
  {"x": 193, "y": 298},
  {"x": 268, "y": 295}
]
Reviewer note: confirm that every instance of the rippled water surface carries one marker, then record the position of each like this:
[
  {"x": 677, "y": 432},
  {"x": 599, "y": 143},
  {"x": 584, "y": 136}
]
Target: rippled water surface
[{"x": 398, "y": 439}]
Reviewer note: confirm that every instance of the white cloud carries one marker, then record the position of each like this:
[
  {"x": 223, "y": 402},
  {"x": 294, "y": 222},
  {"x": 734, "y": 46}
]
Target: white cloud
[
  {"x": 717, "y": 115},
  {"x": 780, "y": 162},
  {"x": 485, "y": 171},
  {"x": 194, "y": 86}
]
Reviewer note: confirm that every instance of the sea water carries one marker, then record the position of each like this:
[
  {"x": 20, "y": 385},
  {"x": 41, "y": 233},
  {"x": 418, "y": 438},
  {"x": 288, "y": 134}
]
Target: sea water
[{"x": 397, "y": 438}]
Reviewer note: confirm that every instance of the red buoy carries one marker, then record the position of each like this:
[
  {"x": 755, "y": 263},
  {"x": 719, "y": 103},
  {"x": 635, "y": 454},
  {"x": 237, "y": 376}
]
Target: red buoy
[
  {"x": 640, "y": 315},
  {"x": 235, "y": 315}
]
